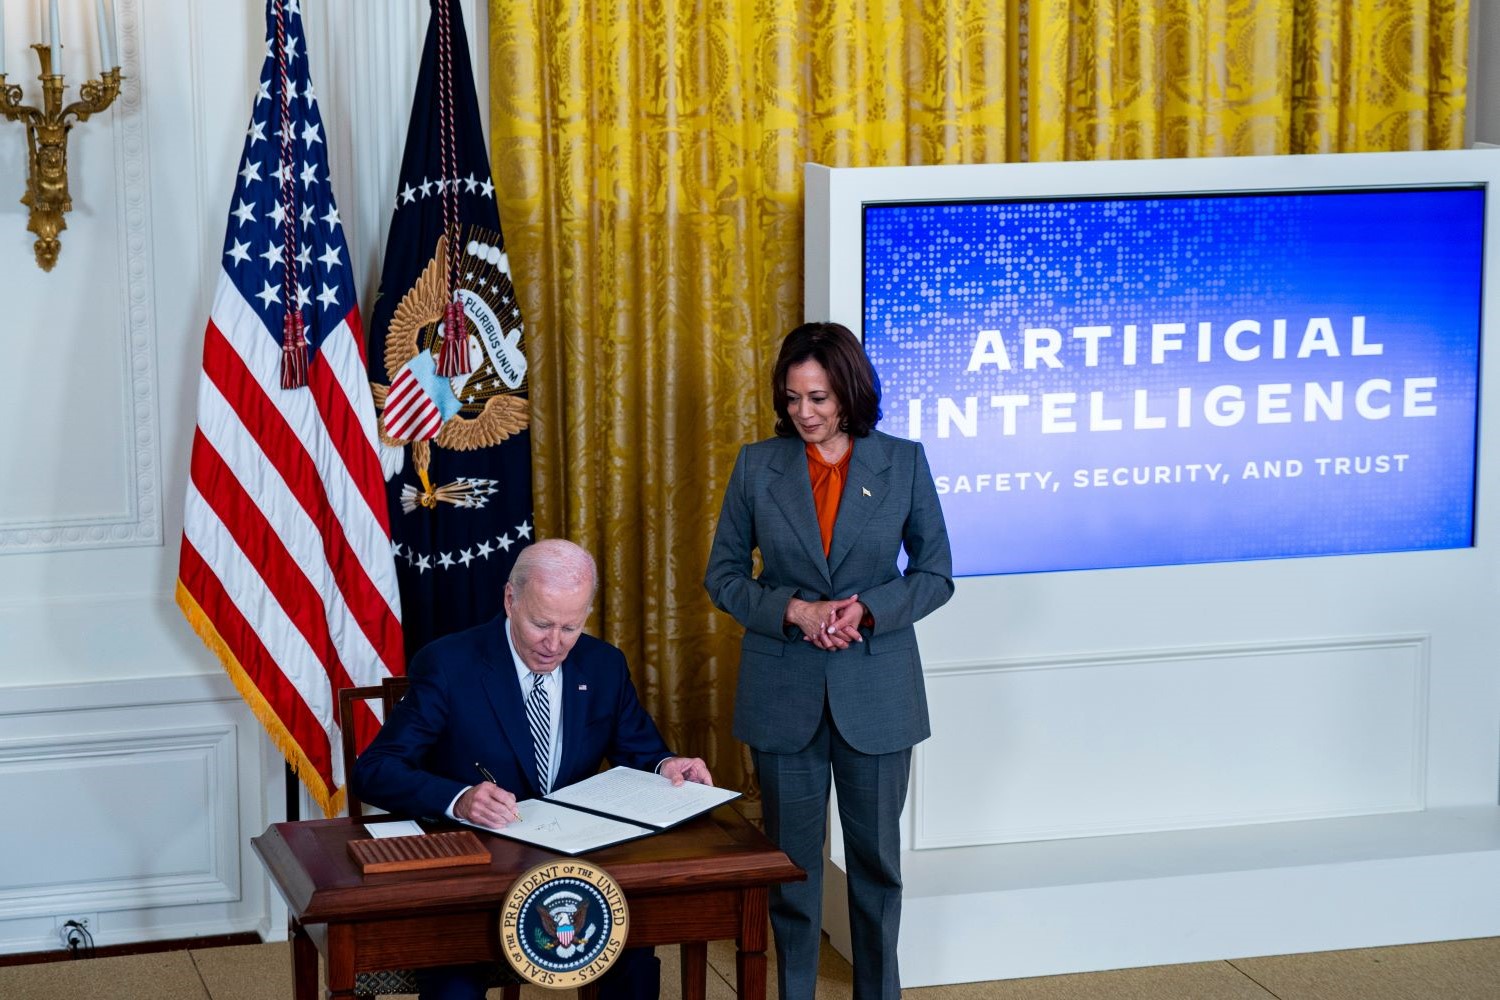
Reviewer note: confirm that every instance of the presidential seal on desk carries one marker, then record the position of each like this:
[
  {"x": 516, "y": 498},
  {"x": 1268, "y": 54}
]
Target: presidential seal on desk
[{"x": 563, "y": 924}]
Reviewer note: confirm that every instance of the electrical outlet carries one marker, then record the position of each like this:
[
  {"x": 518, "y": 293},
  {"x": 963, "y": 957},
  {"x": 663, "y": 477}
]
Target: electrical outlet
[{"x": 68, "y": 936}]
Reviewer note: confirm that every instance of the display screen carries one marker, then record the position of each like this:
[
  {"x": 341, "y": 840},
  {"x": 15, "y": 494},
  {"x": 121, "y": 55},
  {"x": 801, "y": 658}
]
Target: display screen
[{"x": 1136, "y": 381}]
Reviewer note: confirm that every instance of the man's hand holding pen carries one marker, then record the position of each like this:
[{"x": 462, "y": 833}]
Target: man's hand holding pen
[{"x": 487, "y": 804}]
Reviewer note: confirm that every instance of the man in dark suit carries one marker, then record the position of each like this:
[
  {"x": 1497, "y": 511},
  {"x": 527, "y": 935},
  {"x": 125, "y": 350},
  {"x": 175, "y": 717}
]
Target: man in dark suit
[{"x": 536, "y": 702}]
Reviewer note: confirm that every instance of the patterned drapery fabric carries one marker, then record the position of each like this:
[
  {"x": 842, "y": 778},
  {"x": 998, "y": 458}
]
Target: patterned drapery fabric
[
  {"x": 648, "y": 158},
  {"x": 1155, "y": 78}
]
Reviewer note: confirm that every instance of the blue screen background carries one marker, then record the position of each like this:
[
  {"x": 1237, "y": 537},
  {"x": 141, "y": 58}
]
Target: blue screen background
[{"x": 1408, "y": 260}]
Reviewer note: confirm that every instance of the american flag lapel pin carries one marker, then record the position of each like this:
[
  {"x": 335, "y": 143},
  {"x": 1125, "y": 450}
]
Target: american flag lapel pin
[
  {"x": 866, "y": 491},
  {"x": 583, "y": 687}
]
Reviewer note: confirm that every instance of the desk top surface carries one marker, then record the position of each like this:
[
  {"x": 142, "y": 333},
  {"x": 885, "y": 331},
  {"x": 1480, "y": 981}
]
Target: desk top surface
[{"x": 310, "y": 863}]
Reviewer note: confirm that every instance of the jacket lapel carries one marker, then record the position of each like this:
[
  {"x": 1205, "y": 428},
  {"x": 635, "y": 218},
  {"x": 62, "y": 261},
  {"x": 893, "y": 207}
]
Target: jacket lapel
[
  {"x": 574, "y": 713},
  {"x": 791, "y": 488},
  {"x": 869, "y": 473},
  {"x": 504, "y": 692}
]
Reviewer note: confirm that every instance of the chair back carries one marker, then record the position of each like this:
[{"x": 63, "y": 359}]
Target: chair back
[
  {"x": 403, "y": 981},
  {"x": 389, "y": 691}
]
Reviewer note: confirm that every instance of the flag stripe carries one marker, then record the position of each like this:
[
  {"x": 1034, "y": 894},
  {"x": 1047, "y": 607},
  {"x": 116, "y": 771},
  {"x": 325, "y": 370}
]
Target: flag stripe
[
  {"x": 255, "y": 659},
  {"x": 313, "y": 544},
  {"x": 260, "y": 356},
  {"x": 402, "y": 401},
  {"x": 261, "y": 353},
  {"x": 356, "y": 444},
  {"x": 284, "y": 580},
  {"x": 241, "y": 399},
  {"x": 289, "y": 657},
  {"x": 422, "y": 422},
  {"x": 417, "y": 424}
]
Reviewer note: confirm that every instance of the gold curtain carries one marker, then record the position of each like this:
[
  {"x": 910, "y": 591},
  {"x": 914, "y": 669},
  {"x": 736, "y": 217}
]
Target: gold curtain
[
  {"x": 1131, "y": 79},
  {"x": 648, "y": 156}
]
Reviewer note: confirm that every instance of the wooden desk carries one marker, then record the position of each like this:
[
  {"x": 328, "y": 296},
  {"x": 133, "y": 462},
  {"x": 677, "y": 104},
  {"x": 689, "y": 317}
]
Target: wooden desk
[{"x": 703, "y": 881}]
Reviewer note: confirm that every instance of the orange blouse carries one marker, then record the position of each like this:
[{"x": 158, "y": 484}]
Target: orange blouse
[{"x": 828, "y": 480}]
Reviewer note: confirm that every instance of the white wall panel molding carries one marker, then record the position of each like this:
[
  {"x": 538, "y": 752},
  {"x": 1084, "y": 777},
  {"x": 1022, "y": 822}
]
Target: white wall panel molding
[
  {"x": 164, "y": 801},
  {"x": 160, "y": 693},
  {"x": 1218, "y": 736},
  {"x": 149, "y": 791},
  {"x": 139, "y": 521}
]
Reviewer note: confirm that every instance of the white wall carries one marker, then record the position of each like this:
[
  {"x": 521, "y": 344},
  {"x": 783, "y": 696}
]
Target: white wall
[{"x": 141, "y": 772}]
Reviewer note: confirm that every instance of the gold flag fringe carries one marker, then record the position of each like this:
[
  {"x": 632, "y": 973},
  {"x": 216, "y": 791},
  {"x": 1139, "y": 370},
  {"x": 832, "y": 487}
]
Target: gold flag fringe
[{"x": 332, "y": 803}]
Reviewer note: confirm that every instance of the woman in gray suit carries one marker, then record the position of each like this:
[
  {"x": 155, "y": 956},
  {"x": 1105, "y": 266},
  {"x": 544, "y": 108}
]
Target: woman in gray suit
[{"x": 830, "y": 679}]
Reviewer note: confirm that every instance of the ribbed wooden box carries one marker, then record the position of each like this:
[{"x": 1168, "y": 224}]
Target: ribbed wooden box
[{"x": 432, "y": 850}]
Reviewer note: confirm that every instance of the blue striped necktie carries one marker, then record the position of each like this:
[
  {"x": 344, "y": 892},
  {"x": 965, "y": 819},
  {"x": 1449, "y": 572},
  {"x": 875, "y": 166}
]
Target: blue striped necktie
[{"x": 539, "y": 712}]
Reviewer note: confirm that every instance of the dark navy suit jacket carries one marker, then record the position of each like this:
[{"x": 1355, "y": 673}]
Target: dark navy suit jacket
[{"x": 465, "y": 706}]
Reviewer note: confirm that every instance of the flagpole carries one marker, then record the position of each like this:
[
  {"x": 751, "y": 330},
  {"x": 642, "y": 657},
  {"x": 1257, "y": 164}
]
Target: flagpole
[{"x": 293, "y": 796}]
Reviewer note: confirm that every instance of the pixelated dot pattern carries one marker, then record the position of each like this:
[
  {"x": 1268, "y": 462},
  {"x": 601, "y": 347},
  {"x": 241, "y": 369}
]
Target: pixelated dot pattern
[{"x": 1407, "y": 261}]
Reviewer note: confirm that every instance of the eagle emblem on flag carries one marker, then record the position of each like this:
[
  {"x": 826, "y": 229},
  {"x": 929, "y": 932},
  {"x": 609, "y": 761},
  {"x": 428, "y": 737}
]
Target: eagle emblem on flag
[{"x": 478, "y": 409}]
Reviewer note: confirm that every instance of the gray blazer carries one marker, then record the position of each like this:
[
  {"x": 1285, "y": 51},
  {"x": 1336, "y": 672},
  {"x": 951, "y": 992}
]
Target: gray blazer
[{"x": 874, "y": 689}]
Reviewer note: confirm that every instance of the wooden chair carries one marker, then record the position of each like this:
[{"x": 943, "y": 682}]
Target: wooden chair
[
  {"x": 368, "y": 985},
  {"x": 389, "y": 691}
]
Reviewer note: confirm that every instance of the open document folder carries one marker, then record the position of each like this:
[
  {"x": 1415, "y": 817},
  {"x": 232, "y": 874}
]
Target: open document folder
[{"x": 610, "y": 808}]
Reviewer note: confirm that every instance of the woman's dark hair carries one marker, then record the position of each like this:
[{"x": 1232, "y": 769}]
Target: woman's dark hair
[{"x": 850, "y": 375}]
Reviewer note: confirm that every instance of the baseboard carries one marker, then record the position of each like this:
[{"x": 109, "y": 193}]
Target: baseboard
[
  {"x": 1050, "y": 908},
  {"x": 138, "y": 948}
]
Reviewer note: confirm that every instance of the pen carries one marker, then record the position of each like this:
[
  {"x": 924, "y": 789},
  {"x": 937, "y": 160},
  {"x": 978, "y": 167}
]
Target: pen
[{"x": 484, "y": 772}]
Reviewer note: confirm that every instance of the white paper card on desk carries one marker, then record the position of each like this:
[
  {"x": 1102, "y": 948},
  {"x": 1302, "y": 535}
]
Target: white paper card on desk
[
  {"x": 567, "y": 831},
  {"x": 642, "y": 797},
  {"x": 395, "y": 828}
]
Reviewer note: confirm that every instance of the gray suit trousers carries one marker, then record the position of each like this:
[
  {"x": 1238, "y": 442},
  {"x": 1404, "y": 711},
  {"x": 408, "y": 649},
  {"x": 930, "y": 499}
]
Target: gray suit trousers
[{"x": 872, "y": 790}]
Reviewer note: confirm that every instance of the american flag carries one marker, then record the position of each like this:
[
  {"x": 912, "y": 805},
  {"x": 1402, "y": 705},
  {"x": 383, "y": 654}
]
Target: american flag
[{"x": 286, "y": 571}]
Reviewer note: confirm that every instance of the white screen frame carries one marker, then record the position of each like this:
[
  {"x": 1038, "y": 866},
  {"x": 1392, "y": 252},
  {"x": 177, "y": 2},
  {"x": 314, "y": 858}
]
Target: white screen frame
[{"x": 1234, "y": 614}]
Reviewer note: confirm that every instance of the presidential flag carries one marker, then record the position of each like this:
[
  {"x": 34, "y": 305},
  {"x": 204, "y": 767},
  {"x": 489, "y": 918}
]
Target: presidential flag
[
  {"x": 286, "y": 570},
  {"x": 447, "y": 359}
]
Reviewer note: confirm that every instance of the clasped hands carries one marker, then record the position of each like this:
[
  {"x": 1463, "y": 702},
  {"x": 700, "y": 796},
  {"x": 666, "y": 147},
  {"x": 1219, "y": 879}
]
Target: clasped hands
[
  {"x": 487, "y": 804},
  {"x": 827, "y": 624}
]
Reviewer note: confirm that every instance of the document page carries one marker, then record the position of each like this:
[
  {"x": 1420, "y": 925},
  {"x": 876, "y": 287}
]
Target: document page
[
  {"x": 567, "y": 831},
  {"x": 642, "y": 797}
]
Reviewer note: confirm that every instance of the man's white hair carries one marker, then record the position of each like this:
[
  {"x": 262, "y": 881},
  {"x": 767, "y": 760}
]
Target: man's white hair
[{"x": 557, "y": 563}]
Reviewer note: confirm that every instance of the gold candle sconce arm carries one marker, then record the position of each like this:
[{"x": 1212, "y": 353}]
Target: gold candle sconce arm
[{"x": 47, "y": 129}]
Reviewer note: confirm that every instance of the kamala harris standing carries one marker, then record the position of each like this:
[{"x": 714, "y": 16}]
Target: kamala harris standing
[{"x": 830, "y": 679}]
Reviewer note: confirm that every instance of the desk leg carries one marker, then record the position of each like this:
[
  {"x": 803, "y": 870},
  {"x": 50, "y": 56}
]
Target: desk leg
[
  {"x": 750, "y": 961},
  {"x": 694, "y": 969},
  {"x": 340, "y": 959},
  {"x": 304, "y": 964}
]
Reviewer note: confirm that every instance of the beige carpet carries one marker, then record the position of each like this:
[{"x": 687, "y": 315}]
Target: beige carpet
[{"x": 1449, "y": 970}]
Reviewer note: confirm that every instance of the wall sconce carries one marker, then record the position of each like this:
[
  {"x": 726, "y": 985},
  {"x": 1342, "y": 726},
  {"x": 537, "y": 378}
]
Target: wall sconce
[{"x": 47, "y": 128}]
